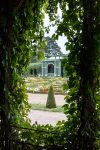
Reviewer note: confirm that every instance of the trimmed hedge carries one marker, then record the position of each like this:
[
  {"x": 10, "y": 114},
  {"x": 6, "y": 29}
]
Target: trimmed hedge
[{"x": 51, "y": 103}]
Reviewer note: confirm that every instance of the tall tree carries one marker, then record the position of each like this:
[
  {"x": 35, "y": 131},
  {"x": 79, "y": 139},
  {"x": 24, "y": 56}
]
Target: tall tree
[
  {"x": 20, "y": 23},
  {"x": 80, "y": 24},
  {"x": 7, "y": 9},
  {"x": 90, "y": 50}
]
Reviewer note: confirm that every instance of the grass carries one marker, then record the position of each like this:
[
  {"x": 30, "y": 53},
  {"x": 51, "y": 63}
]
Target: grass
[{"x": 43, "y": 108}]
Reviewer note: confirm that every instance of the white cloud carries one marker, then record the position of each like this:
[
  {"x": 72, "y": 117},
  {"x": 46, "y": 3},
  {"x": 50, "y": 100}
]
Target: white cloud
[{"x": 61, "y": 43}]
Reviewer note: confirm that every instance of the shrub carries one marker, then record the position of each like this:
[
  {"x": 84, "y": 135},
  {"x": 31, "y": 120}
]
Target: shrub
[{"x": 51, "y": 103}]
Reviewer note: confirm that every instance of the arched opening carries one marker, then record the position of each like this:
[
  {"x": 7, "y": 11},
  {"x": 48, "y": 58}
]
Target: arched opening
[
  {"x": 50, "y": 68},
  {"x": 31, "y": 72}
]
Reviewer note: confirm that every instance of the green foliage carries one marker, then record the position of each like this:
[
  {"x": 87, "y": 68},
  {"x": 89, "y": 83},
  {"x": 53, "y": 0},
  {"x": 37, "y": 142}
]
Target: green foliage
[
  {"x": 27, "y": 37},
  {"x": 34, "y": 65},
  {"x": 18, "y": 101},
  {"x": 84, "y": 54},
  {"x": 70, "y": 26},
  {"x": 18, "y": 59},
  {"x": 51, "y": 103},
  {"x": 45, "y": 136},
  {"x": 22, "y": 31}
]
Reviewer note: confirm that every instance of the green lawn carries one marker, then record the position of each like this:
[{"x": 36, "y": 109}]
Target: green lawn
[{"x": 43, "y": 108}]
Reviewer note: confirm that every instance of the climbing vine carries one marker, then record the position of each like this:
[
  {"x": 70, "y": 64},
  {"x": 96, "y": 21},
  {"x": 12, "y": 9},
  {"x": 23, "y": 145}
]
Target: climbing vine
[
  {"x": 80, "y": 25},
  {"x": 21, "y": 30}
]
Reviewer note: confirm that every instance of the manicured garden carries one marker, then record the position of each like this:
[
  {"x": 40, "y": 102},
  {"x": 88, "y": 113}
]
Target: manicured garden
[{"x": 42, "y": 84}]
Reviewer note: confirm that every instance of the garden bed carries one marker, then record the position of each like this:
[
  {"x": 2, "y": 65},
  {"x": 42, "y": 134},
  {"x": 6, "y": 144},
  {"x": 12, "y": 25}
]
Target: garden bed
[{"x": 41, "y": 85}]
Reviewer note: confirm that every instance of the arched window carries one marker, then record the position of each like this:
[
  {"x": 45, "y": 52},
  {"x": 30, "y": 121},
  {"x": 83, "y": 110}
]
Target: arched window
[{"x": 50, "y": 68}]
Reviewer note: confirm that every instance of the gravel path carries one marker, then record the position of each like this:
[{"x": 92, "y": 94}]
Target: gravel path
[
  {"x": 42, "y": 98},
  {"x": 44, "y": 117}
]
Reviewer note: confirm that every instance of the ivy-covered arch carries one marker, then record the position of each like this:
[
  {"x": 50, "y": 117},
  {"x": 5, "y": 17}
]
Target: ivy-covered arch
[{"x": 21, "y": 21}]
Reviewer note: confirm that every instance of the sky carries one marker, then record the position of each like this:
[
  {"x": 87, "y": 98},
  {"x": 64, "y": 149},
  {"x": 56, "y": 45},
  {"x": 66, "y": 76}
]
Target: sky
[{"x": 62, "y": 39}]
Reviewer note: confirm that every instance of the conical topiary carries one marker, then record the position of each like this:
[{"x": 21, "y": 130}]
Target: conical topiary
[{"x": 51, "y": 103}]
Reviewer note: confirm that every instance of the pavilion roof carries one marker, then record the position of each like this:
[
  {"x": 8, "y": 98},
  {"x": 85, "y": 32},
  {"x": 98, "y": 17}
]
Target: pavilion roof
[{"x": 52, "y": 49}]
